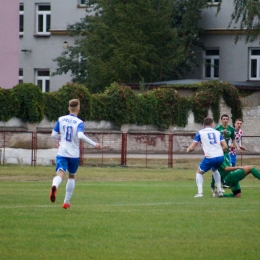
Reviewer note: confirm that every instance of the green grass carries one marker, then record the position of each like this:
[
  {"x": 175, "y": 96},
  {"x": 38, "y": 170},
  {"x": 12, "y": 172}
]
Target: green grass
[{"x": 125, "y": 213}]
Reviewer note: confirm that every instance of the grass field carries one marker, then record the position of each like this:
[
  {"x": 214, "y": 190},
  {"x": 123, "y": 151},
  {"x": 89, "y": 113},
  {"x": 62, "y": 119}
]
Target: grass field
[{"x": 125, "y": 213}]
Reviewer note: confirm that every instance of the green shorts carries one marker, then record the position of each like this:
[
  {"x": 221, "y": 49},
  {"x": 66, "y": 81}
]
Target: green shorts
[{"x": 233, "y": 179}]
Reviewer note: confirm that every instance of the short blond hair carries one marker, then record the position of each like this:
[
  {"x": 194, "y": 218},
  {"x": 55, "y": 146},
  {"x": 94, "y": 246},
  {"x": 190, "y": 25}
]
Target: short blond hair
[{"x": 74, "y": 104}]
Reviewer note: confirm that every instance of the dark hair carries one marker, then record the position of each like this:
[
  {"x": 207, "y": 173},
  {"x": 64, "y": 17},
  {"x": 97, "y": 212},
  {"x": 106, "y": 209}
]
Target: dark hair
[
  {"x": 224, "y": 115},
  {"x": 238, "y": 119},
  {"x": 207, "y": 121}
]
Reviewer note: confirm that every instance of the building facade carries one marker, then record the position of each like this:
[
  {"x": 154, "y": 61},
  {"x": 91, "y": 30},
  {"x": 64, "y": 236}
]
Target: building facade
[
  {"x": 43, "y": 37},
  {"x": 9, "y": 43},
  {"x": 222, "y": 58}
]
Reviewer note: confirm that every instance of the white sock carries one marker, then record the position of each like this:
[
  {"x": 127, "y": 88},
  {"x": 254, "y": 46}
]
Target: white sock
[
  {"x": 56, "y": 181},
  {"x": 69, "y": 190},
  {"x": 217, "y": 179},
  {"x": 199, "y": 181}
]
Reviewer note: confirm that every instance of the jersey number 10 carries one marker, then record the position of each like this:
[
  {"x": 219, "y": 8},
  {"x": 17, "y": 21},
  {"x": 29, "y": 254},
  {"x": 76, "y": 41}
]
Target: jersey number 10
[{"x": 68, "y": 135}]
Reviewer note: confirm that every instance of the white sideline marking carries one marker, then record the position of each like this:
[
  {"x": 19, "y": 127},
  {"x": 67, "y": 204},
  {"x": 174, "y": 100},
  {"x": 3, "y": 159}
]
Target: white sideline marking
[{"x": 123, "y": 205}]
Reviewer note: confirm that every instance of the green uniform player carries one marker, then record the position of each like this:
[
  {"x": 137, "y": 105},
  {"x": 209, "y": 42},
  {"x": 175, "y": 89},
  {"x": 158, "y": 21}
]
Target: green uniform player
[
  {"x": 233, "y": 175},
  {"x": 227, "y": 131}
]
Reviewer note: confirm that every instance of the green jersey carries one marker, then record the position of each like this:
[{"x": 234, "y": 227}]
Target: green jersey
[
  {"x": 230, "y": 133},
  {"x": 222, "y": 167}
]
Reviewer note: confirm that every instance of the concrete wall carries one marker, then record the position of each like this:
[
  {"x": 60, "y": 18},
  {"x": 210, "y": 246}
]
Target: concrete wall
[
  {"x": 209, "y": 19},
  {"x": 9, "y": 43}
]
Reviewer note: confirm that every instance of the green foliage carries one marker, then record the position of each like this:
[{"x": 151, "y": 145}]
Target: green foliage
[
  {"x": 183, "y": 108},
  {"x": 9, "y": 104},
  {"x": 231, "y": 97},
  {"x": 165, "y": 106},
  {"x": 130, "y": 40},
  {"x": 208, "y": 95},
  {"x": 57, "y": 102},
  {"x": 145, "y": 110},
  {"x": 31, "y": 102},
  {"x": 99, "y": 108},
  {"x": 121, "y": 105}
]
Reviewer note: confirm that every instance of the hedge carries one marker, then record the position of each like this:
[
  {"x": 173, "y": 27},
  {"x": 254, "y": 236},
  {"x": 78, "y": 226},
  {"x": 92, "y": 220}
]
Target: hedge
[{"x": 119, "y": 104}]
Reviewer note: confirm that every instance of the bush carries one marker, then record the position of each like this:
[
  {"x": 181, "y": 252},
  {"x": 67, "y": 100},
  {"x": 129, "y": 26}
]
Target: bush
[
  {"x": 120, "y": 104},
  {"x": 57, "y": 103},
  {"x": 9, "y": 104},
  {"x": 31, "y": 102}
]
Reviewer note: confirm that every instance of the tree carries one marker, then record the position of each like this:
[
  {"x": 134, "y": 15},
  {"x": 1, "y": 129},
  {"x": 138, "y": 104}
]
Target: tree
[
  {"x": 247, "y": 14},
  {"x": 129, "y": 40}
]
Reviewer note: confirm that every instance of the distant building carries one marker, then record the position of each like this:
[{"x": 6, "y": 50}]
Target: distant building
[
  {"x": 43, "y": 37},
  {"x": 9, "y": 43},
  {"x": 223, "y": 59}
]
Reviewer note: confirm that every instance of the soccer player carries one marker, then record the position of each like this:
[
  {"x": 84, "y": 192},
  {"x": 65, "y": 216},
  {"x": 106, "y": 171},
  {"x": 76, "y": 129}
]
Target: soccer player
[
  {"x": 68, "y": 130},
  {"x": 213, "y": 145},
  {"x": 232, "y": 175},
  {"x": 229, "y": 134},
  {"x": 227, "y": 131},
  {"x": 238, "y": 136}
]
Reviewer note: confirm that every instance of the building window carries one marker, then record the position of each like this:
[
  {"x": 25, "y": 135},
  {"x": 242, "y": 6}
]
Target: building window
[
  {"x": 43, "y": 21},
  {"x": 211, "y": 63},
  {"x": 43, "y": 80},
  {"x": 21, "y": 15},
  {"x": 84, "y": 3},
  {"x": 254, "y": 67},
  {"x": 213, "y": 2},
  {"x": 20, "y": 76}
]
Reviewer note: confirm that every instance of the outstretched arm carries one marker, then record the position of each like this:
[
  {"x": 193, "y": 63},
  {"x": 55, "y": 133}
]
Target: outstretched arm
[
  {"x": 55, "y": 135},
  {"x": 236, "y": 145},
  {"x": 223, "y": 144},
  {"x": 192, "y": 147},
  {"x": 87, "y": 140}
]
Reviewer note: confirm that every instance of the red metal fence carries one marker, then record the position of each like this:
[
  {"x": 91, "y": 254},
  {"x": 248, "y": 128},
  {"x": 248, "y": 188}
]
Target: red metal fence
[{"x": 135, "y": 149}]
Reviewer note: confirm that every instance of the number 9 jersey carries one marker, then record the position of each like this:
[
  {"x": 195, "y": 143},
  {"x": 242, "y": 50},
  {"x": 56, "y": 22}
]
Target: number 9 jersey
[{"x": 210, "y": 141}]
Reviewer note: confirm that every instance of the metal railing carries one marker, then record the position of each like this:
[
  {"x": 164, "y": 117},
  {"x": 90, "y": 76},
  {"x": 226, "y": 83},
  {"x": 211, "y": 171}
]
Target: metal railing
[{"x": 117, "y": 148}]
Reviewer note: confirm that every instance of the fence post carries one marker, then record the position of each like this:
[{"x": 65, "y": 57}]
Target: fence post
[
  {"x": 81, "y": 149},
  {"x": 146, "y": 150},
  {"x": 123, "y": 149},
  {"x": 34, "y": 148},
  {"x": 4, "y": 151},
  {"x": 170, "y": 151}
]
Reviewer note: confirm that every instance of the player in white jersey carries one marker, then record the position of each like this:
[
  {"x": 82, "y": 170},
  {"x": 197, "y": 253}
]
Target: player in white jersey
[
  {"x": 213, "y": 145},
  {"x": 238, "y": 137},
  {"x": 68, "y": 130}
]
